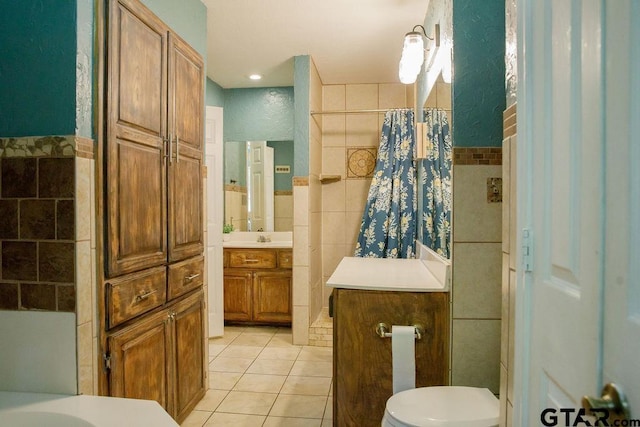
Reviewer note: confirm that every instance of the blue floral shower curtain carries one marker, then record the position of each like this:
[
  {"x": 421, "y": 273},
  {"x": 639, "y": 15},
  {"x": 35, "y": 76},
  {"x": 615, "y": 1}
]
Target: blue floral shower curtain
[
  {"x": 436, "y": 183},
  {"x": 388, "y": 227}
]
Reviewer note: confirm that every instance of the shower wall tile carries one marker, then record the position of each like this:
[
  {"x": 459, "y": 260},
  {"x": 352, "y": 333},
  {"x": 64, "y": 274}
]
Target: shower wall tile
[
  {"x": 392, "y": 95},
  {"x": 356, "y": 193},
  {"x": 476, "y": 353},
  {"x": 333, "y": 161},
  {"x": 300, "y": 205},
  {"x": 343, "y": 202},
  {"x": 333, "y": 228},
  {"x": 361, "y": 96},
  {"x": 477, "y": 290},
  {"x": 301, "y": 245},
  {"x": 352, "y": 229},
  {"x": 333, "y": 98},
  {"x": 333, "y": 197},
  {"x": 474, "y": 218},
  {"x": 300, "y": 286},
  {"x": 334, "y": 130},
  {"x": 362, "y": 130}
]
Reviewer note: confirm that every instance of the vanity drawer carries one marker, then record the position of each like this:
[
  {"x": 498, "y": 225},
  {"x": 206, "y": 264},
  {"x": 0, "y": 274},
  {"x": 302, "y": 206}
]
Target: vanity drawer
[
  {"x": 285, "y": 258},
  {"x": 130, "y": 296},
  {"x": 251, "y": 258},
  {"x": 185, "y": 276}
]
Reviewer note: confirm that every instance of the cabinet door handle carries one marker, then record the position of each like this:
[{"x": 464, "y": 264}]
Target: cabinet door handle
[
  {"x": 177, "y": 148},
  {"x": 145, "y": 295},
  {"x": 170, "y": 148},
  {"x": 190, "y": 278}
]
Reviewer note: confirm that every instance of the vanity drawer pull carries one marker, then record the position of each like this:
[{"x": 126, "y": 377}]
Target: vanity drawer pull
[
  {"x": 190, "y": 278},
  {"x": 144, "y": 295},
  {"x": 251, "y": 260}
]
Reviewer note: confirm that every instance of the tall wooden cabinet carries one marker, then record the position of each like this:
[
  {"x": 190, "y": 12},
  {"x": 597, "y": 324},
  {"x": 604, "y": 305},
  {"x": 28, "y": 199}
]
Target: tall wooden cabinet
[{"x": 153, "y": 222}]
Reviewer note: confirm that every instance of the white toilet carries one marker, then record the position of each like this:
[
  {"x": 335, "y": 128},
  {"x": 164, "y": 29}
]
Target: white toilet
[{"x": 445, "y": 406}]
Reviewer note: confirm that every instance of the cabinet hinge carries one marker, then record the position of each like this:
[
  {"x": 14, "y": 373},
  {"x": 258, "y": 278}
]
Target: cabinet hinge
[
  {"x": 527, "y": 250},
  {"x": 106, "y": 358}
]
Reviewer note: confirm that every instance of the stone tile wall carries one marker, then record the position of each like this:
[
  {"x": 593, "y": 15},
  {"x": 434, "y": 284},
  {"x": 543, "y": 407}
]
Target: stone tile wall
[{"x": 37, "y": 225}]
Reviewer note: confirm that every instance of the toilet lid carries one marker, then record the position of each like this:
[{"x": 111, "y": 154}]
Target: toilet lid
[{"x": 444, "y": 407}]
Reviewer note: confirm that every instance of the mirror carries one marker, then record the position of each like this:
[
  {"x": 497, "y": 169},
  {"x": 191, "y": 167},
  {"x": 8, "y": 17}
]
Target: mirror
[
  {"x": 434, "y": 176},
  {"x": 258, "y": 185}
]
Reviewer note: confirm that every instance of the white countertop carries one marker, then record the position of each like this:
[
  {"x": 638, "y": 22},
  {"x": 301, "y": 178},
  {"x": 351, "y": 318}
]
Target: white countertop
[
  {"x": 64, "y": 410},
  {"x": 385, "y": 274},
  {"x": 249, "y": 239}
]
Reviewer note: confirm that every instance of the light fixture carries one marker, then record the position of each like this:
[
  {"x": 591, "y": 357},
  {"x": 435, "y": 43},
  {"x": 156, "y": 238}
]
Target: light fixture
[
  {"x": 412, "y": 55},
  {"x": 255, "y": 76}
]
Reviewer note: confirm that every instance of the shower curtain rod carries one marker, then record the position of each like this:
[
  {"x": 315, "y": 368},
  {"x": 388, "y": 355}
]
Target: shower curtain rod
[{"x": 358, "y": 111}]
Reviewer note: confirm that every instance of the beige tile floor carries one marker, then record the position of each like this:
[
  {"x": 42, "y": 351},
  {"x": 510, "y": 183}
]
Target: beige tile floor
[{"x": 258, "y": 378}]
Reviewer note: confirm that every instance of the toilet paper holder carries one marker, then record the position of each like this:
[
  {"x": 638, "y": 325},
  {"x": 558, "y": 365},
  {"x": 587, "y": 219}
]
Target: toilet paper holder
[{"x": 382, "y": 329}]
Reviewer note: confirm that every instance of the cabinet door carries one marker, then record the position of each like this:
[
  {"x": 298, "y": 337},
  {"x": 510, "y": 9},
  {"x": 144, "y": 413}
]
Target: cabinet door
[
  {"x": 189, "y": 368},
  {"x": 140, "y": 358},
  {"x": 237, "y": 294},
  {"x": 186, "y": 109},
  {"x": 272, "y": 296},
  {"x": 362, "y": 360},
  {"x": 134, "y": 150}
]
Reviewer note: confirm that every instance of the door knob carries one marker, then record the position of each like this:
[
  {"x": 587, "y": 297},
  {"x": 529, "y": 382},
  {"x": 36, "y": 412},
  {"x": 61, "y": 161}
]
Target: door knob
[{"x": 612, "y": 405}]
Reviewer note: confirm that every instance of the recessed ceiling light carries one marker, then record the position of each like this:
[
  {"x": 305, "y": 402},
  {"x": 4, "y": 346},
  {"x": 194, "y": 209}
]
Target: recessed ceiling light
[{"x": 255, "y": 76}]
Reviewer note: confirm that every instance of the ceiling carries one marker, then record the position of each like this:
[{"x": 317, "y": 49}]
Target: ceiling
[{"x": 350, "y": 41}]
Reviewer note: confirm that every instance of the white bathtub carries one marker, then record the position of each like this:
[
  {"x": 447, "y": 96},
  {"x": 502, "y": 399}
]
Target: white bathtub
[{"x": 55, "y": 410}]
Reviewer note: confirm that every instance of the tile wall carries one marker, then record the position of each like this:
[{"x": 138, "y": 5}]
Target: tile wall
[
  {"x": 343, "y": 201},
  {"x": 476, "y": 291},
  {"x": 47, "y": 235},
  {"x": 283, "y": 210},
  {"x": 509, "y": 232},
  {"x": 235, "y": 206}
]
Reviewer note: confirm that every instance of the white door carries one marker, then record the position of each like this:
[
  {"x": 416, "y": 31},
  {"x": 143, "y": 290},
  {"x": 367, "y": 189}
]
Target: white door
[
  {"x": 255, "y": 179},
  {"x": 215, "y": 215},
  {"x": 622, "y": 236},
  {"x": 567, "y": 156},
  {"x": 269, "y": 189}
]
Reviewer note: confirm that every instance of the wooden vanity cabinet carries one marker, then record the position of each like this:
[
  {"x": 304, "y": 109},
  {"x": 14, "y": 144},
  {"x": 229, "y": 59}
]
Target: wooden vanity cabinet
[
  {"x": 257, "y": 286},
  {"x": 362, "y": 362}
]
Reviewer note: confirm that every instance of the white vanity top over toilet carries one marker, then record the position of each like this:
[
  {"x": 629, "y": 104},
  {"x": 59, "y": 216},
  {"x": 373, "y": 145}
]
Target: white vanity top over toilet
[{"x": 447, "y": 406}]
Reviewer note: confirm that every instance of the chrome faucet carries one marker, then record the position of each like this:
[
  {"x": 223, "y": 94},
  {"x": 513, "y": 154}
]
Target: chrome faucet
[{"x": 263, "y": 239}]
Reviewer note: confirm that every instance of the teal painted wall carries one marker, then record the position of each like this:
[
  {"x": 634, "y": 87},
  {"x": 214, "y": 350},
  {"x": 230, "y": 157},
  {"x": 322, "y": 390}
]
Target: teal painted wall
[
  {"x": 258, "y": 114},
  {"x": 478, "y": 72},
  {"x": 188, "y": 18},
  {"x": 214, "y": 94},
  {"x": 282, "y": 155},
  {"x": 38, "y": 68},
  {"x": 301, "y": 84}
]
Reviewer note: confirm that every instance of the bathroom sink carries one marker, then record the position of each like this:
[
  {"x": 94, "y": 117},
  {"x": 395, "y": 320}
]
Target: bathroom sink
[{"x": 38, "y": 419}]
